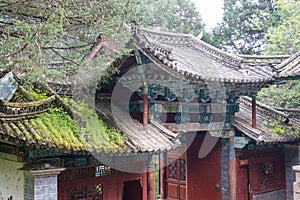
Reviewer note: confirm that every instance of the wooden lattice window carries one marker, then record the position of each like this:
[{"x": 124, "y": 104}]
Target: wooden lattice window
[
  {"x": 177, "y": 169},
  {"x": 90, "y": 192},
  {"x": 173, "y": 168},
  {"x": 182, "y": 169},
  {"x": 267, "y": 175}
]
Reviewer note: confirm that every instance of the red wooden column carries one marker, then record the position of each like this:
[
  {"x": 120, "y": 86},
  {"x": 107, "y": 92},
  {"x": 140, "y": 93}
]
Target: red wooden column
[
  {"x": 253, "y": 111},
  {"x": 150, "y": 180},
  {"x": 145, "y": 108},
  {"x": 162, "y": 174},
  {"x": 232, "y": 168},
  {"x": 95, "y": 50},
  {"x": 145, "y": 111}
]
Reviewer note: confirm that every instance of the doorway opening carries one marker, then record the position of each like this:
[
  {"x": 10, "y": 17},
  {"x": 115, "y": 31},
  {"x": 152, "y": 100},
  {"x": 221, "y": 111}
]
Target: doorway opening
[{"x": 132, "y": 190}]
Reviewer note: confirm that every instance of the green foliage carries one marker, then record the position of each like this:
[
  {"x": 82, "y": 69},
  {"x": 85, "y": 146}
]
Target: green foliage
[
  {"x": 281, "y": 128},
  {"x": 278, "y": 130},
  {"x": 178, "y": 16},
  {"x": 91, "y": 133},
  {"x": 37, "y": 94},
  {"x": 36, "y": 33},
  {"x": 285, "y": 95},
  {"x": 61, "y": 125},
  {"x": 243, "y": 26},
  {"x": 95, "y": 133},
  {"x": 285, "y": 38},
  {"x": 252, "y": 26}
]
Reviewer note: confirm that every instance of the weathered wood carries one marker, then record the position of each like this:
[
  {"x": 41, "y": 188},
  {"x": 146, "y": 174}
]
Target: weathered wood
[
  {"x": 213, "y": 126},
  {"x": 162, "y": 175},
  {"x": 150, "y": 181},
  {"x": 145, "y": 111},
  {"x": 253, "y": 112}
]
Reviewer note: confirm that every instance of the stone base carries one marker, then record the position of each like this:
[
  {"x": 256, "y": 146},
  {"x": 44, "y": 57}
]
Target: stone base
[{"x": 296, "y": 191}]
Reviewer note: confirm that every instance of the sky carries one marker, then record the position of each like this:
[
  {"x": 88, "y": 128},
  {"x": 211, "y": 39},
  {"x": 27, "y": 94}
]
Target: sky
[{"x": 211, "y": 11}]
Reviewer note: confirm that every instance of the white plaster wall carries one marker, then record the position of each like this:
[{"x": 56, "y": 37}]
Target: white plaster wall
[{"x": 11, "y": 180}]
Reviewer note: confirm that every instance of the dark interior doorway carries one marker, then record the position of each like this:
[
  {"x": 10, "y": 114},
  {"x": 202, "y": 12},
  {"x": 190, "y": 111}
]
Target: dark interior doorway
[{"x": 132, "y": 190}]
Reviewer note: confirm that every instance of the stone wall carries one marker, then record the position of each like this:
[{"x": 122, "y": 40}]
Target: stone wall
[
  {"x": 224, "y": 169},
  {"x": 291, "y": 159},
  {"x": 274, "y": 195},
  {"x": 45, "y": 187},
  {"x": 29, "y": 186},
  {"x": 41, "y": 184},
  {"x": 12, "y": 179}
]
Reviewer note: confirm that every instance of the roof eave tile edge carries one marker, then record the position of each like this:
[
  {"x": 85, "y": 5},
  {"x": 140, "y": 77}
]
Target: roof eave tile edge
[
  {"x": 218, "y": 54},
  {"x": 192, "y": 76},
  {"x": 286, "y": 62},
  {"x": 207, "y": 48}
]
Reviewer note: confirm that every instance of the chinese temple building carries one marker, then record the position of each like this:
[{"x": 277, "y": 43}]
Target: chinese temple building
[{"x": 176, "y": 97}]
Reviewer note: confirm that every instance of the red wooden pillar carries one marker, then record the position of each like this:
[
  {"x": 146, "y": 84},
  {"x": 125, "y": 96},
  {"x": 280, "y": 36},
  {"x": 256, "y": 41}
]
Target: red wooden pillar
[
  {"x": 96, "y": 49},
  {"x": 162, "y": 175},
  {"x": 145, "y": 111},
  {"x": 150, "y": 180},
  {"x": 253, "y": 111},
  {"x": 145, "y": 108},
  {"x": 232, "y": 171}
]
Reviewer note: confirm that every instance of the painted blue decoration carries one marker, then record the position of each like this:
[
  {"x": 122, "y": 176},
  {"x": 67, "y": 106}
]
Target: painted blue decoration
[
  {"x": 181, "y": 118},
  {"x": 240, "y": 142},
  {"x": 205, "y": 118},
  {"x": 204, "y": 96},
  {"x": 169, "y": 95}
]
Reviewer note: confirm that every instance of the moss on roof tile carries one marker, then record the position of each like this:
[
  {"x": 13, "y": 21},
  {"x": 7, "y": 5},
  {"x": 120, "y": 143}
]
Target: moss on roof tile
[{"x": 95, "y": 134}]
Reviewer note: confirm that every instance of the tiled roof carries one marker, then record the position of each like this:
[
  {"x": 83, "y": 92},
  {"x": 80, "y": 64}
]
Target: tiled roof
[
  {"x": 272, "y": 126},
  {"x": 196, "y": 59},
  {"x": 290, "y": 67},
  {"x": 152, "y": 139},
  {"x": 27, "y": 124},
  {"x": 48, "y": 124}
]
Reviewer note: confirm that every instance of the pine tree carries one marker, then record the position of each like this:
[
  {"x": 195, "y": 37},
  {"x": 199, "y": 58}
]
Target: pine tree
[{"x": 243, "y": 26}]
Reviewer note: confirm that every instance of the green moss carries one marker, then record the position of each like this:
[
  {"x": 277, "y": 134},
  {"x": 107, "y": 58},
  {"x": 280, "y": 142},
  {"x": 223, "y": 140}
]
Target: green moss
[
  {"x": 85, "y": 132},
  {"x": 59, "y": 127},
  {"x": 95, "y": 133},
  {"x": 36, "y": 93},
  {"x": 278, "y": 130}
]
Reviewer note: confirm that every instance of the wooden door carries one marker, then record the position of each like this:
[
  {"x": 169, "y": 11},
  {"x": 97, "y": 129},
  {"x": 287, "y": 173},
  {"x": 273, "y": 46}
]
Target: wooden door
[
  {"x": 176, "y": 177},
  {"x": 203, "y": 175},
  {"x": 243, "y": 181}
]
